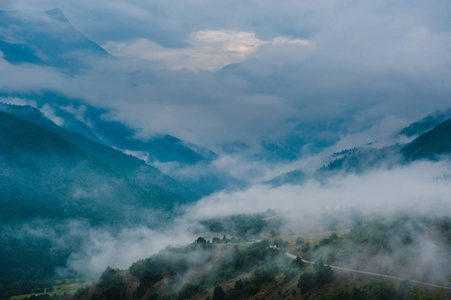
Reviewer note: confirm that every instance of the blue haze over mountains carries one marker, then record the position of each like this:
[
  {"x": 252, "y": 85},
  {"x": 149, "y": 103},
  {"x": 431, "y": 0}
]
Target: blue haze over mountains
[
  {"x": 49, "y": 39},
  {"x": 66, "y": 148},
  {"x": 431, "y": 141},
  {"x": 51, "y": 36},
  {"x": 45, "y": 38}
]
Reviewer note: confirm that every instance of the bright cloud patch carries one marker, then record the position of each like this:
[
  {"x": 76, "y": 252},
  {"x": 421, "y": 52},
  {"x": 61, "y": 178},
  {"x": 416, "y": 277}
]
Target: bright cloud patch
[{"x": 210, "y": 50}]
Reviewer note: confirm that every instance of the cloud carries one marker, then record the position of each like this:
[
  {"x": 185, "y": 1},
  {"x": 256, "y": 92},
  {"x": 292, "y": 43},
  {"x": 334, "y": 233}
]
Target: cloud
[
  {"x": 415, "y": 188},
  {"x": 352, "y": 64},
  {"x": 92, "y": 248},
  {"x": 49, "y": 112},
  {"x": 79, "y": 113},
  {"x": 102, "y": 248},
  {"x": 30, "y": 77},
  {"x": 209, "y": 49},
  {"x": 18, "y": 101},
  {"x": 420, "y": 189}
]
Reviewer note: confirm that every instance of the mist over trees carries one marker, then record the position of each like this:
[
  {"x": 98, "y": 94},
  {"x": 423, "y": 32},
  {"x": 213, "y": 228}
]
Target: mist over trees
[
  {"x": 225, "y": 150},
  {"x": 224, "y": 270}
]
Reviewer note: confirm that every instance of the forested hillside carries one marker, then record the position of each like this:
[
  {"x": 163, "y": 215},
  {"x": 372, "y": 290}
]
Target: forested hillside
[
  {"x": 64, "y": 181},
  {"x": 134, "y": 168},
  {"x": 46, "y": 177},
  {"x": 429, "y": 145}
]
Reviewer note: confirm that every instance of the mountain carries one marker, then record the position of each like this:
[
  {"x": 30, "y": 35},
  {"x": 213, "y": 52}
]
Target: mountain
[
  {"x": 304, "y": 135},
  {"x": 49, "y": 39},
  {"x": 55, "y": 177},
  {"x": 427, "y": 123},
  {"x": 292, "y": 177},
  {"x": 311, "y": 136},
  {"x": 433, "y": 142},
  {"x": 45, "y": 175},
  {"x": 431, "y": 145},
  {"x": 15, "y": 54},
  {"x": 76, "y": 116},
  {"x": 76, "y": 120},
  {"x": 46, "y": 38},
  {"x": 129, "y": 165},
  {"x": 356, "y": 161},
  {"x": 360, "y": 160},
  {"x": 51, "y": 176}
]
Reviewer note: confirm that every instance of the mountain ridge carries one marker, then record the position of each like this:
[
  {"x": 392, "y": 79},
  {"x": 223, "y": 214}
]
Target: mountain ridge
[
  {"x": 46, "y": 38},
  {"x": 41, "y": 165},
  {"x": 432, "y": 143},
  {"x": 127, "y": 164}
]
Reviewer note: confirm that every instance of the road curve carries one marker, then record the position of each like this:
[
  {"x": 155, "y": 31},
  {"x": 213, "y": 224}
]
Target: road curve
[{"x": 292, "y": 256}]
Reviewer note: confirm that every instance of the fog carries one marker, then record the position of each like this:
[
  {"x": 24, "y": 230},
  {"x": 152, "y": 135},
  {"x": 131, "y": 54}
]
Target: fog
[
  {"x": 421, "y": 189},
  {"x": 339, "y": 74},
  {"x": 417, "y": 187},
  {"x": 354, "y": 63},
  {"x": 410, "y": 250}
]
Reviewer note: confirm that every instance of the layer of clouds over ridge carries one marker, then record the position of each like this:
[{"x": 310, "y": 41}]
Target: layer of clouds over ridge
[{"x": 358, "y": 62}]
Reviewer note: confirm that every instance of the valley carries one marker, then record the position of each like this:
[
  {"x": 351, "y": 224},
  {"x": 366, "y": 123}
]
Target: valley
[{"x": 225, "y": 150}]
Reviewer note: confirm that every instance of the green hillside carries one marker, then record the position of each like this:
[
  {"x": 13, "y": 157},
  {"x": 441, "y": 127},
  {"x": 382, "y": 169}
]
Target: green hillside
[
  {"x": 359, "y": 160},
  {"x": 129, "y": 165},
  {"x": 430, "y": 144},
  {"x": 44, "y": 175},
  {"x": 427, "y": 123}
]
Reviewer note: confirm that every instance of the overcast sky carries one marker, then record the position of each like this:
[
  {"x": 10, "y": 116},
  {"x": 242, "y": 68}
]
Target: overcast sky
[{"x": 360, "y": 62}]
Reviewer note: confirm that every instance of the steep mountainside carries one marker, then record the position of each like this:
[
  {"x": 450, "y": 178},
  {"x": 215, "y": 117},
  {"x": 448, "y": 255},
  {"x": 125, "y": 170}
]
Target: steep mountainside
[
  {"x": 130, "y": 166},
  {"x": 360, "y": 160},
  {"x": 431, "y": 145},
  {"x": 427, "y": 123},
  {"x": 48, "y": 38},
  {"x": 74, "y": 116},
  {"x": 293, "y": 177},
  {"x": 44, "y": 175}
]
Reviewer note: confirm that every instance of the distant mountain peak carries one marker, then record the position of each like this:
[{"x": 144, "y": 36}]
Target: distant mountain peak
[
  {"x": 57, "y": 14},
  {"x": 46, "y": 38}
]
